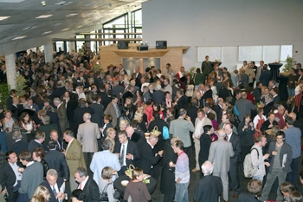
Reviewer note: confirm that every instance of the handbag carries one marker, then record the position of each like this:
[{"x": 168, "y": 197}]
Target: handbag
[{"x": 103, "y": 195}]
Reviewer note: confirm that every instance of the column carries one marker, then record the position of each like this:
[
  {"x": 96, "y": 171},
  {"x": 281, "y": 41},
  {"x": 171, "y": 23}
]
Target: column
[
  {"x": 48, "y": 52},
  {"x": 71, "y": 45},
  {"x": 11, "y": 70}
]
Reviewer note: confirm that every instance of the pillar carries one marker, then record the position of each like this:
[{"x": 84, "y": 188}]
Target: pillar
[
  {"x": 11, "y": 70},
  {"x": 48, "y": 52}
]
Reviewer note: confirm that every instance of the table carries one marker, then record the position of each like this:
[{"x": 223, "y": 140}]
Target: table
[
  {"x": 117, "y": 184},
  {"x": 275, "y": 70}
]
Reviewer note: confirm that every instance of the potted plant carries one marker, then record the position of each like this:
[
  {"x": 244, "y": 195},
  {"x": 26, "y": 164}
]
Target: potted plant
[{"x": 288, "y": 66}]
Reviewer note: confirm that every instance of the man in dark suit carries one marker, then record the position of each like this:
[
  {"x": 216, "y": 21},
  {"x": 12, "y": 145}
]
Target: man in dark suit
[
  {"x": 60, "y": 144},
  {"x": 16, "y": 108},
  {"x": 64, "y": 124},
  {"x": 158, "y": 95},
  {"x": 127, "y": 151},
  {"x": 97, "y": 117},
  {"x": 234, "y": 161},
  {"x": 134, "y": 137},
  {"x": 80, "y": 111},
  {"x": 54, "y": 119},
  {"x": 55, "y": 185},
  {"x": 218, "y": 109},
  {"x": 47, "y": 128},
  {"x": 274, "y": 92},
  {"x": 224, "y": 92},
  {"x": 117, "y": 90},
  {"x": 37, "y": 142},
  {"x": 182, "y": 100},
  {"x": 148, "y": 158},
  {"x": 88, "y": 185},
  {"x": 56, "y": 160},
  {"x": 209, "y": 188},
  {"x": 138, "y": 77},
  {"x": 19, "y": 145},
  {"x": 105, "y": 100},
  {"x": 10, "y": 177},
  {"x": 13, "y": 93}
]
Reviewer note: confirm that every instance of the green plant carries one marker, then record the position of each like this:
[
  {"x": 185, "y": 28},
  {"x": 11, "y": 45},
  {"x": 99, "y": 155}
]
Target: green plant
[
  {"x": 289, "y": 64},
  {"x": 192, "y": 71},
  {"x": 4, "y": 94},
  {"x": 20, "y": 85},
  {"x": 96, "y": 67}
]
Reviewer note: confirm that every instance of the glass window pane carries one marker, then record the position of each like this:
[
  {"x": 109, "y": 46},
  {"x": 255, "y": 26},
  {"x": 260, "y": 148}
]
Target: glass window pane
[{"x": 286, "y": 50}]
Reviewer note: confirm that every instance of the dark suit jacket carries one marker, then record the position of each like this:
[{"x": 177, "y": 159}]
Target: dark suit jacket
[
  {"x": 34, "y": 145},
  {"x": 54, "y": 119},
  {"x": 78, "y": 115},
  {"x": 235, "y": 141},
  {"x": 218, "y": 111},
  {"x": 19, "y": 147},
  {"x": 47, "y": 129},
  {"x": 158, "y": 96},
  {"x": 59, "y": 92},
  {"x": 246, "y": 197},
  {"x": 131, "y": 149},
  {"x": 56, "y": 160},
  {"x": 224, "y": 93},
  {"x": 148, "y": 158},
  {"x": 10, "y": 142},
  {"x": 192, "y": 113},
  {"x": 208, "y": 188},
  {"x": 8, "y": 179},
  {"x": 105, "y": 100},
  {"x": 276, "y": 99},
  {"x": 97, "y": 117},
  {"x": 91, "y": 191},
  {"x": 265, "y": 77},
  {"x": 182, "y": 103},
  {"x": 50, "y": 189},
  {"x": 109, "y": 125},
  {"x": 205, "y": 142}
]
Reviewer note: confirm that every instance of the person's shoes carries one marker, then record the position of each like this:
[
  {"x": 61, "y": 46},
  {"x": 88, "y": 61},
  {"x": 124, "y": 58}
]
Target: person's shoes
[
  {"x": 195, "y": 170},
  {"x": 235, "y": 195}
]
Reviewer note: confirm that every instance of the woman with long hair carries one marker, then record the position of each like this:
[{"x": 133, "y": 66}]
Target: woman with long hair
[
  {"x": 41, "y": 194},
  {"x": 26, "y": 123}
]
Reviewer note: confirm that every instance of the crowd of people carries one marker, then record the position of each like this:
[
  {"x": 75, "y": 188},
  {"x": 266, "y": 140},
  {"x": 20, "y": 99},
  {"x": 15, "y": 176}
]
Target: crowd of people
[{"x": 73, "y": 130}]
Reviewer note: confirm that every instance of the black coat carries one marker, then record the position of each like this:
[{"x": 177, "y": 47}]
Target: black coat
[
  {"x": 19, "y": 147},
  {"x": 167, "y": 184},
  {"x": 205, "y": 142},
  {"x": 192, "y": 113},
  {"x": 8, "y": 179},
  {"x": 105, "y": 100},
  {"x": 91, "y": 191},
  {"x": 56, "y": 160},
  {"x": 182, "y": 103},
  {"x": 97, "y": 117},
  {"x": 246, "y": 197},
  {"x": 208, "y": 188},
  {"x": 158, "y": 96},
  {"x": 34, "y": 145},
  {"x": 148, "y": 158},
  {"x": 78, "y": 115}
]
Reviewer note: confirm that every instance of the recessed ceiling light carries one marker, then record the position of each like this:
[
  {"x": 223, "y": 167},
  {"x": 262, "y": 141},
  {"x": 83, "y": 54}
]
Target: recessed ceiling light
[
  {"x": 72, "y": 14},
  {"x": 19, "y": 37},
  {"x": 4, "y": 17},
  {"x": 80, "y": 26},
  {"x": 11, "y": 1},
  {"x": 29, "y": 28},
  {"x": 47, "y": 32},
  {"x": 44, "y": 16},
  {"x": 65, "y": 29},
  {"x": 63, "y": 3}
]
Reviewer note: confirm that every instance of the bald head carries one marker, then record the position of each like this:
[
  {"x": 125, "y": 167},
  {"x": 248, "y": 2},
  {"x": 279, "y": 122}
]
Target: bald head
[
  {"x": 86, "y": 117},
  {"x": 207, "y": 168},
  {"x": 221, "y": 133},
  {"x": 292, "y": 115}
]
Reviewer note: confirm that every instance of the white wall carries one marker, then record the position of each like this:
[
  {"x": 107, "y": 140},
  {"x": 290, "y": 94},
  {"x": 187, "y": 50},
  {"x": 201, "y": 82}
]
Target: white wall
[{"x": 228, "y": 23}]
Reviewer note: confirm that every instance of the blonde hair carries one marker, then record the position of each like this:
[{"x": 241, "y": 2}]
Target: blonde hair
[{"x": 40, "y": 192}]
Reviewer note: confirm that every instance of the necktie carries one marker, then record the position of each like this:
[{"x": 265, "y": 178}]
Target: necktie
[
  {"x": 122, "y": 155},
  {"x": 226, "y": 138},
  {"x": 55, "y": 192}
]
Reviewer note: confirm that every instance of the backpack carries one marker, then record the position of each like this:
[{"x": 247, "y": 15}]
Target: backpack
[{"x": 249, "y": 169}]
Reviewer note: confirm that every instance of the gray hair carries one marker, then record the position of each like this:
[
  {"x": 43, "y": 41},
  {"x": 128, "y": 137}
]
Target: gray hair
[
  {"x": 107, "y": 144},
  {"x": 17, "y": 135},
  {"x": 82, "y": 172},
  {"x": 207, "y": 168},
  {"x": 57, "y": 100},
  {"x": 52, "y": 172},
  {"x": 45, "y": 119}
]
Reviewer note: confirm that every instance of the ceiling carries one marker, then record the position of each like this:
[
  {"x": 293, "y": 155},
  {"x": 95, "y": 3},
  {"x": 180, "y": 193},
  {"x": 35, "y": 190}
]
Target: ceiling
[{"x": 67, "y": 18}]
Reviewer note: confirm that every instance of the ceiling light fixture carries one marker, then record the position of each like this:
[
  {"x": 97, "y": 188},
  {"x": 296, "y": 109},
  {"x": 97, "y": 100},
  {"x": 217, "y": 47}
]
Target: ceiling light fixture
[
  {"x": 80, "y": 26},
  {"x": 44, "y": 16},
  {"x": 4, "y": 17},
  {"x": 19, "y": 37},
  {"x": 47, "y": 32},
  {"x": 43, "y": 3},
  {"x": 65, "y": 29},
  {"x": 72, "y": 14}
]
